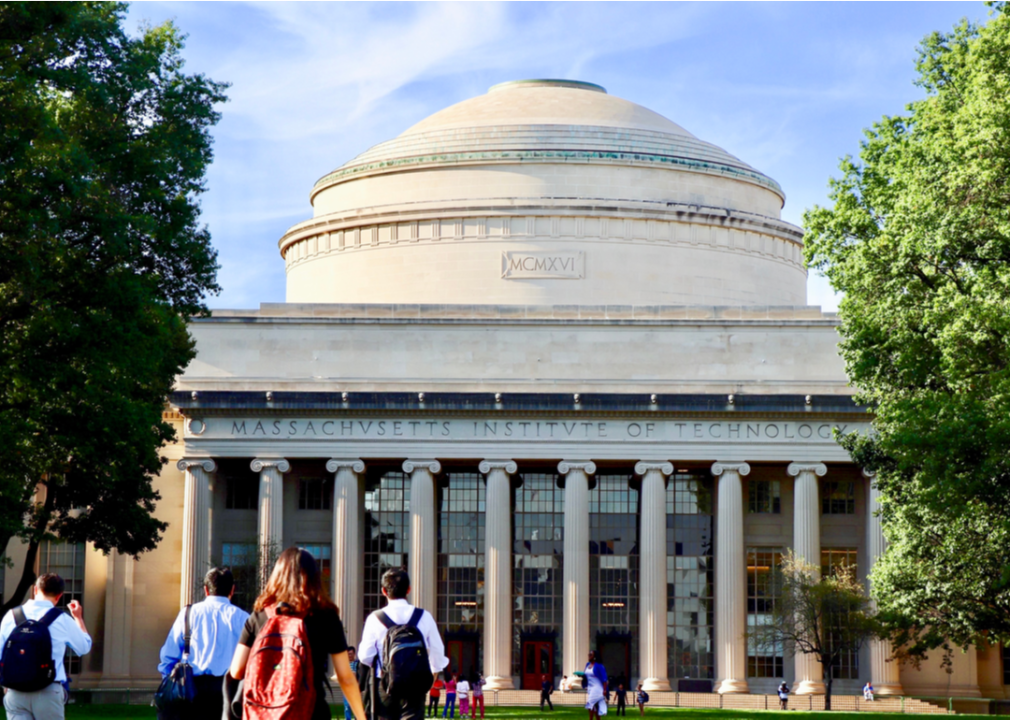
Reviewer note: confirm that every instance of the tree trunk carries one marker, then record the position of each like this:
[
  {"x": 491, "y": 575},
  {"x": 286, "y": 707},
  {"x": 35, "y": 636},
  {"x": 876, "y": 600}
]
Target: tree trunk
[
  {"x": 828, "y": 678},
  {"x": 28, "y": 576}
]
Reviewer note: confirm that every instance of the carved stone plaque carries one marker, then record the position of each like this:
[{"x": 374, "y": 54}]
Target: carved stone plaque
[{"x": 560, "y": 265}]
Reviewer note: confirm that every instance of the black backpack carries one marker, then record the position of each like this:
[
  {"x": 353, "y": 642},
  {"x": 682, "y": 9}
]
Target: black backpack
[
  {"x": 406, "y": 674},
  {"x": 27, "y": 661}
]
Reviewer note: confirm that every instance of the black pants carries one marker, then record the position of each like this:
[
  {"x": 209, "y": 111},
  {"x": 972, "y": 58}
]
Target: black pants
[
  {"x": 208, "y": 703},
  {"x": 545, "y": 697},
  {"x": 433, "y": 705},
  {"x": 404, "y": 709},
  {"x": 621, "y": 709}
]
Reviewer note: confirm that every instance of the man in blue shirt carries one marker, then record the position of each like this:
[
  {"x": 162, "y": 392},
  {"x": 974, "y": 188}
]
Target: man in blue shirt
[
  {"x": 66, "y": 631},
  {"x": 215, "y": 625}
]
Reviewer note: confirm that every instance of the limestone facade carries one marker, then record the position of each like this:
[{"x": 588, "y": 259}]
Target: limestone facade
[{"x": 550, "y": 352}]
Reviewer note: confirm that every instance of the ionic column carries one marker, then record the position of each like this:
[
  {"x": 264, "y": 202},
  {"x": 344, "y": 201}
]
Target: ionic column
[
  {"x": 652, "y": 643},
  {"x": 195, "y": 527},
  {"x": 885, "y": 676},
  {"x": 498, "y": 573},
  {"x": 730, "y": 580},
  {"x": 271, "y": 510},
  {"x": 575, "y": 570},
  {"x": 347, "y": 568},
  {"x": 807, "y": 545},
  {"x": 422, "y": 562}
]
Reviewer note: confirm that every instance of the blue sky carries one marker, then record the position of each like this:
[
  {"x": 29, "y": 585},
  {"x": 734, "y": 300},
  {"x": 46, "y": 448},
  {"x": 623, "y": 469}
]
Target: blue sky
[{"x": 786, "y": 87}]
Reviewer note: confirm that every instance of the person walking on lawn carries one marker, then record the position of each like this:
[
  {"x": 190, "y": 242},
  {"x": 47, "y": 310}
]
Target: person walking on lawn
[
  {"x": 783, "y": 693},
  {"x": 642, "y": 697},
  {"x": 434, "y": 695},
  {"x": 546, "y": 688},
  {"x": 39, "y": 617},
  {"x": 398, "y": 613},
  {"x": 594, "y": 679},
  {"x": 478, "y": 696},
  {"x": 215, "y": 626},
  {"x": 622, "y": 700},
  {"x": 450, "y": 696}
]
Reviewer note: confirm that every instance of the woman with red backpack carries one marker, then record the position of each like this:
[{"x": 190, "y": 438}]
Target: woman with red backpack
[{"x": 281, "y": 655}]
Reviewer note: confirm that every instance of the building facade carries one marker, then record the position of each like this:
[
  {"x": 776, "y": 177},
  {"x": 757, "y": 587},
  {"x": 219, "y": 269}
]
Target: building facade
[{"x": 550, "y": 352}]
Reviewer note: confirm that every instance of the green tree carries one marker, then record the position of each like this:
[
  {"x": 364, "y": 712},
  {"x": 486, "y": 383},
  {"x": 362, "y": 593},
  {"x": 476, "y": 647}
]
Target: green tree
[
  {"x": 827, "y": 617},
  {"x": 918, "y": 240},
  {"x": 104, "y": 143}
]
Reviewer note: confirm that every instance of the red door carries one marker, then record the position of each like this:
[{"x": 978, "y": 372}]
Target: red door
[{"x": 538, "y": 660}]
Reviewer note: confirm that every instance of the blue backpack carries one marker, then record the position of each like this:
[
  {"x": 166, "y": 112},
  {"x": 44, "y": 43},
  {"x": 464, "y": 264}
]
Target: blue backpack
[{"x": 27, "y": 660}]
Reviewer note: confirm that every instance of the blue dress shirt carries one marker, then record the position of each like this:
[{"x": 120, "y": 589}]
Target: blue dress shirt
[
  {"x": 216, "y": 625},
  {"x": 64, "y": 633}
]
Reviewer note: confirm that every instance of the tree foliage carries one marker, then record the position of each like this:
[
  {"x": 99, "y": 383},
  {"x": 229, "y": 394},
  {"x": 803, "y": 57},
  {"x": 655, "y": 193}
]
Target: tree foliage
[
  {"x": 918, "y": 240},
  {"x": 827, "y": 617},
  {"x": 104, "y": 143}
]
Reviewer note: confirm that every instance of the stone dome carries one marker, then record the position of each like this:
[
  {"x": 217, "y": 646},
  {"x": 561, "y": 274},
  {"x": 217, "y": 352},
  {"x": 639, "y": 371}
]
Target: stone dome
[{"x": 546, "y": 192}]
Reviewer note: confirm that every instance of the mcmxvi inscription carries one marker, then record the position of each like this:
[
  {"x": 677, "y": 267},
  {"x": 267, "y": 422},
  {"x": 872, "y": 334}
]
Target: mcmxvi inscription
[{"x": 518, "y": 264}]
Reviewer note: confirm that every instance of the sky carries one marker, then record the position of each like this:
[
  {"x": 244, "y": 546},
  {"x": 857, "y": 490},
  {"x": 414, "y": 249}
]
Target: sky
[{"x": 786, "y": 87}]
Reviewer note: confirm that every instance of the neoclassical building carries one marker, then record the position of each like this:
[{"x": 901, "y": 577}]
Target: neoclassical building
[{"x": 551, "y": 352}]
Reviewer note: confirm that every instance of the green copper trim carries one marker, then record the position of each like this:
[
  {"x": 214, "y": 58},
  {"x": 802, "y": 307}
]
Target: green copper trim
[
  {"x": 568, "y": 155},
  {"x": 548, "y": 82}
]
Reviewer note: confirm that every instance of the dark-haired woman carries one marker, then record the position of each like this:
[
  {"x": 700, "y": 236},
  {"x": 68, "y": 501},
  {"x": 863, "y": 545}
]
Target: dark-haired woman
[{"x": 295, "y": 588}]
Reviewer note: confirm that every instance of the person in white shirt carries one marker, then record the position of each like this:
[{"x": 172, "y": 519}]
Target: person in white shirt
[
  {"x": 66, "y": 631},
  {"x": 395, "y": 587},
  {"x": 463, "y": 697}
]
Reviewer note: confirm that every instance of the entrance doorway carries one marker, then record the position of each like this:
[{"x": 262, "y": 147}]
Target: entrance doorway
[
  {"x": 614, "y": 651},
  {"x": 538, "y": 660},
  {"x": 462, "y": 654}
]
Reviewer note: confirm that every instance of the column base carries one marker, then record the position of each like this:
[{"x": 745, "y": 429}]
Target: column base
[
  {"x": 733, "y": 687},
  {"x": 498, "y": 682},
  {"x": 656, "y": 685},
  {"x": 809, "y": 687},
  {"x": 883, "y": 689}
]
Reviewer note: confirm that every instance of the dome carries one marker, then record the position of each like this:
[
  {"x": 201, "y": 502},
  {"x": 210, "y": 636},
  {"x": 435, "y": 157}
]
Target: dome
[{"x": 546, "y": 192}]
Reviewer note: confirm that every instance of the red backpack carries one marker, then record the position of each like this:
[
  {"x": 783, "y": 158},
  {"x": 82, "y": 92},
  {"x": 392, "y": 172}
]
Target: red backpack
[{"x": 279, "y": 683}]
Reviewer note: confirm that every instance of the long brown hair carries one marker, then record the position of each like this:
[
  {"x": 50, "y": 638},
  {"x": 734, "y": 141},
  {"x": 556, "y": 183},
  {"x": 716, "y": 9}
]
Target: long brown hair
[{"x": 296, "y": 581}]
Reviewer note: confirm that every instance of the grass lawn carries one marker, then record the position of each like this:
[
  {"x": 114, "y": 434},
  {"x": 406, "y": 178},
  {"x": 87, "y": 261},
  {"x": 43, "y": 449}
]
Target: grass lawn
[{"x": 140, "y": 712}]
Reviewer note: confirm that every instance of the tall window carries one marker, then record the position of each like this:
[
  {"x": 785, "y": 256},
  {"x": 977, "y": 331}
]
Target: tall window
[
  {"x": 322, "y": 554},
  {"x": 838, "y": 497},
  {"x": 764, "y": 660},
  {"x": 689, "y": 576},
  {"x": 242, "y": 492},
  {"x": 538, "y": 557},
  {"x": 764, "y": 496},
  {"x": 387, "y": 531},
  {"x": 461, "y": 566},
  {"x": 315, "y": 493},
  {"x": 66, "y": 560},
  {"x": 243, "y": 559},
  {"x": 833, "y": 560},
  {"x": 613, "y": 565}
]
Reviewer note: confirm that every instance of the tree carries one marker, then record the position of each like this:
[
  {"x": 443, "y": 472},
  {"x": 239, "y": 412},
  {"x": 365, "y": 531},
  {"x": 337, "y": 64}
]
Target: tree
[
  {"x": 918, "y": 240},
  {"x": 103, "y": 150},
  {"x": 827, "y": 617}
]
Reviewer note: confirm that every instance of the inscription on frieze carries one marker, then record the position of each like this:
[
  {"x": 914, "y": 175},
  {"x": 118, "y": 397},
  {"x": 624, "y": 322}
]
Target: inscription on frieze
[
  {"x": 563, "y": 265},
  {"x": 638, "y": 430}
]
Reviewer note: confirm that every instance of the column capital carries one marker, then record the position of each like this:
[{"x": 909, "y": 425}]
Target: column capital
[
  {"x": 740, "y": 468},
  {"x": 432, "y": 466},
  {"x": 334, "y": 464},
  {"x": 509, "y": 466},
  {"x": 818, "y": 469},
  {"x": 280, "y": 464},
  {"x": 207, "y": 464},
  {"x": 643, "y": 467},
  {"x": 586, "y": 466}
]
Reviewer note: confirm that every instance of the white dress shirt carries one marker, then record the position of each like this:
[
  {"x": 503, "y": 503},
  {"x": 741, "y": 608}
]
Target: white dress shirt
[
  {"x": 215, "y": 625},
  {"x": 399, "y": 612},
  {"x": 64, "y": 632}
]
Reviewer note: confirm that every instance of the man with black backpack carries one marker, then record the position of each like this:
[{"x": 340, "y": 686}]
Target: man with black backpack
[
  {"x": 402, "y": 646},
  {"x": 35, "y": 638}
]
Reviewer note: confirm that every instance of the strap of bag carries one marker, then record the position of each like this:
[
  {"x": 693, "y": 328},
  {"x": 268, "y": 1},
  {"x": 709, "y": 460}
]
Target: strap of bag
[
  {"x": 19, "y": 616},
  {"x": 384, "y": 619},
  {"x": 415, "y": 617},
  {"x": 187, "y": 631},
  {"x": 50, "y": 617}
]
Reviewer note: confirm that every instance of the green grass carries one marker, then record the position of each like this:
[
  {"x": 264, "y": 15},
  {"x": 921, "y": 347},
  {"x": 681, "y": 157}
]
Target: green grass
[{"x": 140, "y": 712}]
